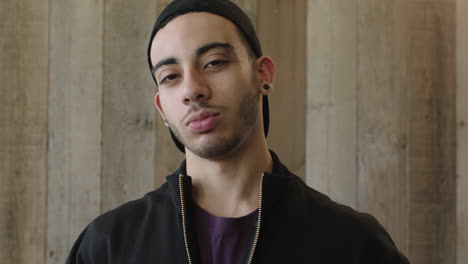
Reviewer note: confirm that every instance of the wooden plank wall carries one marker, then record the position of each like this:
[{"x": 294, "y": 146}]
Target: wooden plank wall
[
  {"x": 363, "y": 109},
  {"x": 399, "y": 122},
  {"x": 74, "y": 139},
  {"x": 332, "y": 99},
  {"x": 381, "y": 122},
  {"x": 24, "y": 34},
  {"x": 128, "y": 116},
  {"x": 462, "y": 130},
  {"x": 431, "y": 83},
  {"x": 281, "y": 27}
]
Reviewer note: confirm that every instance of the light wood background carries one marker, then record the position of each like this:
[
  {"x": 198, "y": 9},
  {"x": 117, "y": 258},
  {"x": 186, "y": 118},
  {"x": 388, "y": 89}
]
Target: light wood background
[
  {"x": 369, "y": 107},
  {"x": 462, "y": 130}
]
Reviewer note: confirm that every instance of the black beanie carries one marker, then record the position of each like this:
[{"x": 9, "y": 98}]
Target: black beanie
[{"x": 224, "y": 8}]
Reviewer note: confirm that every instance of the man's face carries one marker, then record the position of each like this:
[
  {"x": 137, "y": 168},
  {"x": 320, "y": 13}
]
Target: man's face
[{"x": 208, "y": 91}]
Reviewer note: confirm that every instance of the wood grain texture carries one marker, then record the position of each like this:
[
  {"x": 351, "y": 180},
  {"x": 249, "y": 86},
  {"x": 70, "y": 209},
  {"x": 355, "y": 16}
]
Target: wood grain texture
[
  {"x": 332, "y": 99},
  {"x": 382, "y": 115},
  {"x": 75, "y": 99},
  {"x": 432, "y": 84},
  {"x": 128, "y": 111},
  {"x": 462, "y": 129},
  {"x": 281, "y": 26},
  {"x": 23, "y": 129}
]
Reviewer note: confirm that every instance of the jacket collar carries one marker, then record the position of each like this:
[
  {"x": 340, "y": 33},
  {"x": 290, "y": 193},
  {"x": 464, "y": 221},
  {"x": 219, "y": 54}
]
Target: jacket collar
[{"x": 274, "y": 184}]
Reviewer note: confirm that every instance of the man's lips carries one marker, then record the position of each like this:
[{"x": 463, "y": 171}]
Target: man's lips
[
  {"x": 202, "y": 121},
  {"x": 200, "y": 115}
]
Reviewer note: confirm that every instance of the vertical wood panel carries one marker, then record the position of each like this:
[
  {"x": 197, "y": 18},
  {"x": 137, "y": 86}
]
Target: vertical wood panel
[
  {"x": 281, "y": 26},
  {"x": 128, "y": 124},
  {"x": 75, "y": 98},
  {"x": 462, "y": 131},
  {"x": 431, "y": 80},
  {"x": 23, "y": 129},
  {"x": 331, "y": 99},
  {"x": 382, "y": 108}
]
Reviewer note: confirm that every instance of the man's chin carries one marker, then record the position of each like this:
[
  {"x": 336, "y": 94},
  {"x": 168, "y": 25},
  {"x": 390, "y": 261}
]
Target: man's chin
[{"x": 213, "y": 148}]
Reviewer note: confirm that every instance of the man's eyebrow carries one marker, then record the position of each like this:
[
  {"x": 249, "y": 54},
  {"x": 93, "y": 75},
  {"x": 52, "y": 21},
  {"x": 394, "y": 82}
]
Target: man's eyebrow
[
  {"x": 162, "y": 63},
  {"x": 205, "y": 48}
]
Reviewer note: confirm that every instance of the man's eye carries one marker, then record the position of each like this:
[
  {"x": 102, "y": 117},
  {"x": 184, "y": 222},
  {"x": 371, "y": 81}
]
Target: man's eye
[
  {"x": 215, "y": 63},
  {"x": 169, "y": 77}
]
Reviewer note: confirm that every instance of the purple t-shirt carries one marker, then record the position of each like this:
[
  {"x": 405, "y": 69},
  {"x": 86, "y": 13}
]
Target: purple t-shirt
[{"x": 223, "y": 240}]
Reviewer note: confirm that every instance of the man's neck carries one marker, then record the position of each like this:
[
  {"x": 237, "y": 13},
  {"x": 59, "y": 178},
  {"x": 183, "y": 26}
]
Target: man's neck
[{"x": 230, "y": 187}]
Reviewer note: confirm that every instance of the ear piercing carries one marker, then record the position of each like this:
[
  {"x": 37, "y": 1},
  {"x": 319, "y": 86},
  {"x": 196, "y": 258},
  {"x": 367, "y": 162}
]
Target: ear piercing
[
  {"x": 165, "y": 122},
  {"x": 266, "y": 86}
]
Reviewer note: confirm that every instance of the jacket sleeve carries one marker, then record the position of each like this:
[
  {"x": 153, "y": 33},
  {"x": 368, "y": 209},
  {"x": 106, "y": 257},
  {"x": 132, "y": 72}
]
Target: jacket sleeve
[{"x": 91, "y": 247}]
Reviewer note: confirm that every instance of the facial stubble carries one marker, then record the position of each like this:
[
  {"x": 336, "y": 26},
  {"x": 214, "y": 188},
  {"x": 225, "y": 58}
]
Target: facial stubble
[{"x": 218, "y": 147}]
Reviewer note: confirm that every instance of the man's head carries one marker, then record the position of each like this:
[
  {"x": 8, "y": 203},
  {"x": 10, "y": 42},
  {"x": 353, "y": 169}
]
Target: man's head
[{"x": 207, "y": 63}]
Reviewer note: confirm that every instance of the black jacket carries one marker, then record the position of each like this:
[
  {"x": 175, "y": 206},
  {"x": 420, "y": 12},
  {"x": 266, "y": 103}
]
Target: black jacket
[{"x": 298, "y": 225}]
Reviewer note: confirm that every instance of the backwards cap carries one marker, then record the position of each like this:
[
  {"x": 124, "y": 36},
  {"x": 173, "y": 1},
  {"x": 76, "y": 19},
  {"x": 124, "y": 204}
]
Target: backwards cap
[{"x": 224, "y": 8}]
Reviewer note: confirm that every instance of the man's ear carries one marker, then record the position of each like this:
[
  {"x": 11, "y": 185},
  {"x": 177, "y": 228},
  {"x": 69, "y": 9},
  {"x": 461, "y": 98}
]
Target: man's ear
[
  {"x": 157, "y": 103},
  {"x": 265, "y": 74}
]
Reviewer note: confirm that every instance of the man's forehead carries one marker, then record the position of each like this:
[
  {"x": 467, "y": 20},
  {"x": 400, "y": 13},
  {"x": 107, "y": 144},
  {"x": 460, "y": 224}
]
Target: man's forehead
[{"x": 185, "y": 33}]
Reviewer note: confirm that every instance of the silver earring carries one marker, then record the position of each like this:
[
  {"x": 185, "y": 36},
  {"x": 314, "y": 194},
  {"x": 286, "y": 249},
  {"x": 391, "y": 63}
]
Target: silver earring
[{"x": 165, "y": 122}]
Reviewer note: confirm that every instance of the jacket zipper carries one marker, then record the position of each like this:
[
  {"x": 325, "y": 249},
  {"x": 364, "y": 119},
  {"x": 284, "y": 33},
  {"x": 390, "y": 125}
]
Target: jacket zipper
[
  {"x": 259, "y": 221},
  {"x": 184, "y": 225},
  {"x": 182, "y": 206}
]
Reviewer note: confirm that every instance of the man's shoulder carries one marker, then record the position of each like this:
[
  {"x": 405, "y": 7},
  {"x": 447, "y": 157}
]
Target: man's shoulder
[
  {"x": 322, "y": 208},
  {"x": 135, "y": 213},
  {"x": 334, "y": 223},
  {"x": 303, "y": 215},
  {"x": 298, "y": 194},
  {"x": 115, "y": 233}
]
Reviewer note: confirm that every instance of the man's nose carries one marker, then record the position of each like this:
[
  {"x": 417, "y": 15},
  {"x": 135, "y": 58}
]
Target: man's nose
[{"x": 196, "y": 88}]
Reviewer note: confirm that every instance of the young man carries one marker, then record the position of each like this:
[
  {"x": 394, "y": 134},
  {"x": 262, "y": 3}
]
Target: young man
[{"x": 231, "y": 201}]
